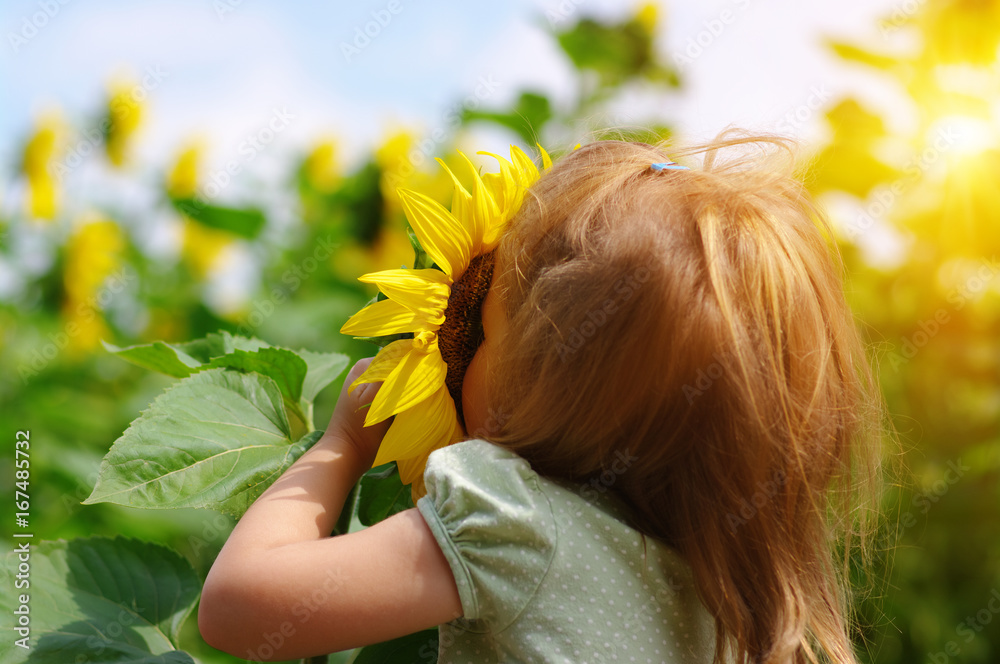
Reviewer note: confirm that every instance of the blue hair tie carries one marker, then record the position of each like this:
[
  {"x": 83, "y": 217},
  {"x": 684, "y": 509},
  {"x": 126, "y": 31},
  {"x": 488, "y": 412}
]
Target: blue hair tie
[{"x": 668, "y": 166}]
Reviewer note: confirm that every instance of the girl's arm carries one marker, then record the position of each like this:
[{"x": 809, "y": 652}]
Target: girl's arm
[{"x": 282, "y": 588}]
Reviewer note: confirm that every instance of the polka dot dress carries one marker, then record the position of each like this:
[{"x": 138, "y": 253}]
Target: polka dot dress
[{"x": 550, "y": 572}]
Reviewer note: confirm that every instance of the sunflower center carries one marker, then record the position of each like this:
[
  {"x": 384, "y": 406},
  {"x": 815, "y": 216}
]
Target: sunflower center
[{"x": 461, "y": 334}]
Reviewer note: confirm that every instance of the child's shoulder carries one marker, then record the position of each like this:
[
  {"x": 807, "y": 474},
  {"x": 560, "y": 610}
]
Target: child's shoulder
[
  {"x": 523, "y": 548},
  {"x": 478, "y": 475}
]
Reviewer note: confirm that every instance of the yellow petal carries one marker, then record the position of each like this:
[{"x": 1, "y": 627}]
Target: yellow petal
[
  {"x": 383, "y": 364},
  {"x": 503, "y": 185},
  {"x": 526, "y": 168},
  {"x": 461, "y": 200},
  {"x": 382, "y": 318},
  {"x": 483, "y": 211},
  {"x": 411, "y": 470},
  {"x": 440, "y": 234},
  {"x": 417, "y": 376},
  {"x": 546, "y": 159},
  {"x": 419, "y": 429},
  {"x": 425, "y": 291}
]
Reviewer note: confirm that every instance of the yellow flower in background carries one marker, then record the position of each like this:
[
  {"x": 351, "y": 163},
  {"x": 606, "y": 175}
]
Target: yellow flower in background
[
  {"x": 93, "y": 253},
  {"x": 391, "y": 158},
  {"x": 648, "y": 17},
  {"x": 322, "y": 168},
  {"x": 202, "y": 247},
  {"x": 392, "y": 247},
  {"x": 182, "y": 181},
  {"x": 422, "y": 376},
  {"x": 401, "y": 160},
  {"x": 39, "y": 153},
  {"x": 124, "y": 117}
]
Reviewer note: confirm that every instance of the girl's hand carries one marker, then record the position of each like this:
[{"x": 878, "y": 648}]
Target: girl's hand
[{"x": 348, "y": 420}]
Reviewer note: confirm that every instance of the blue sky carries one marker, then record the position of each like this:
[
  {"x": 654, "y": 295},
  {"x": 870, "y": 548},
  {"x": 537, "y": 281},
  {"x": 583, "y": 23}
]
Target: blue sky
[
  {"x": 223, "y": 70},
  {"x": 226, "y": 65}
]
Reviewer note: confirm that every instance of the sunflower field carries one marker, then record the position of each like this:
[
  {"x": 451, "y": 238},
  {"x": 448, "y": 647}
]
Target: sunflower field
[{"x": 163, "y": 314}]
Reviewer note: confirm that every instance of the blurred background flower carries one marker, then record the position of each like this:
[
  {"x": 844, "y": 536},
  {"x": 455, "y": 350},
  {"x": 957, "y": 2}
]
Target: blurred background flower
[{"x": 39, "y": 153}]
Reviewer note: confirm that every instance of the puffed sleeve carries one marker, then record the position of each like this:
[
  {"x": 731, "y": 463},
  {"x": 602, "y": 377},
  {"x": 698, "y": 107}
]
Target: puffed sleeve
[{"x": 495, "y": 526}]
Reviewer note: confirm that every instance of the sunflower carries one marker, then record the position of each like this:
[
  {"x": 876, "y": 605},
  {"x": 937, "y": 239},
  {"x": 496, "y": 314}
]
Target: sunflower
[{"x": 441, "y": 307}]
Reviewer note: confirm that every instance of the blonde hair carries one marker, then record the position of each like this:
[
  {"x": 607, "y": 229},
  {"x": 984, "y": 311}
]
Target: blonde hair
[{"x": 695, "y": 323}]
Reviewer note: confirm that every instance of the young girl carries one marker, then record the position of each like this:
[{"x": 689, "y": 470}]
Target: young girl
[{"x": 678, "y": 412}]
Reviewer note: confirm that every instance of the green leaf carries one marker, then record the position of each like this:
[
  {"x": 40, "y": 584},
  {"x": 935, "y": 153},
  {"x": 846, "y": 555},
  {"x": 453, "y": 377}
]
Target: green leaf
[
  {"x": 246, "y": 223},
  {"x": 527, "y": 118},
  {"x": 216, "y": 439},
  {"x": 616, "y": 52},
  {"x": 361, "y": 204},
  {"x": 284, "y": 367},
  {"x": 417, "y": 647},
  {"x": 158, "y": 356},
  {"x": 382, "y": 494},
  {"x": 103, "y": 599},
  {"x": 323, "y": 369},
  {"x": 182, "y": 359},
  {"x": 232, "y": 342},
  {"x": 203, "y": 350}
]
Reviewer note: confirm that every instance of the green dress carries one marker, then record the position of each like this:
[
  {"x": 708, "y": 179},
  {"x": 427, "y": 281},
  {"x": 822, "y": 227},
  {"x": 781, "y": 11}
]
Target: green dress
[{"x": 550, "y": 572}]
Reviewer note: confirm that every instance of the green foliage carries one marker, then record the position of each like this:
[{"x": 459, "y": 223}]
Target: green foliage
[
  {"x": 159, "y": 356},
  {"x": 100, "y": 599},
  {"x": 221, "y": 435},
  {"x": 246, "y": 223},
  {"x": 531, "y": 111},
  {"x": 616, "y": 52},
  {"x": 933, "y": 313},
  {"x": 418, "y": 647},
  {"x": 217, "y": 439},
  {"x": 223, "y": 415},
  {"x": 382, "y": 494}
]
